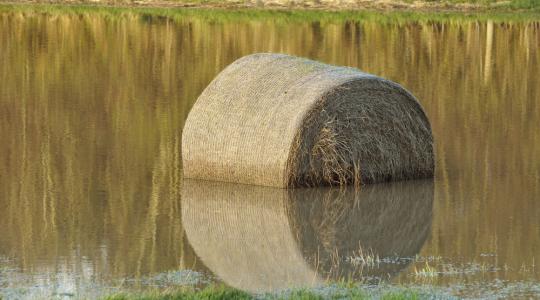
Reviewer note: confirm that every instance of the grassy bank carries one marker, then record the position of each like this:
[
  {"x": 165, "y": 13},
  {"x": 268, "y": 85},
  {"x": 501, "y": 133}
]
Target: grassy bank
[
  {"x": 417, "y": 5},
  {"x": 274, "y": 15},
  {"x": 221, "y": 292}
]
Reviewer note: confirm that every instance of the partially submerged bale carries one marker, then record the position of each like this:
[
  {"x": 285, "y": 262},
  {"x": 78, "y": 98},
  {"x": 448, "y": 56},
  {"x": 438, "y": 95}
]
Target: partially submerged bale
[{"x": 279, "y": 120}]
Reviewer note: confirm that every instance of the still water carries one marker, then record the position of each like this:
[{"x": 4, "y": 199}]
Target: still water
[{"x": 91, "y": 193}]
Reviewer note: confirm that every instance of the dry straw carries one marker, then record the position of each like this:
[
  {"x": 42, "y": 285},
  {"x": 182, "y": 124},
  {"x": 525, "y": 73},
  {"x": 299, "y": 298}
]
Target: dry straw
[
  {"x": 266, "y": 239},
  {"x": 283, "y": 121}
]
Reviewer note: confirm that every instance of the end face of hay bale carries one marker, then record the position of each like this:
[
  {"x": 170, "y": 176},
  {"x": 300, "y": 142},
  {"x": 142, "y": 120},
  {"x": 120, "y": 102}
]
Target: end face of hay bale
[{"x": 278, "y": 120}]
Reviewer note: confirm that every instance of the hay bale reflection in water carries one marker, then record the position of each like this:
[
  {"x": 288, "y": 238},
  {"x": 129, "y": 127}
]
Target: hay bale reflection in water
[{"x": 265, "y": 239}]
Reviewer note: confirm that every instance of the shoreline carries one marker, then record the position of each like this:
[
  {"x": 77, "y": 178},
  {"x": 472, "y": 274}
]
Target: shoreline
[
  {"x": 217, "y": 11},
  {"x": 288, "y": 5}
]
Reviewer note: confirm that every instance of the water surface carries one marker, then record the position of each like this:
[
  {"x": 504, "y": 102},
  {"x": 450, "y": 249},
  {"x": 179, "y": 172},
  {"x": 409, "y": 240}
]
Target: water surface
[{"x": 91, "y": 194}]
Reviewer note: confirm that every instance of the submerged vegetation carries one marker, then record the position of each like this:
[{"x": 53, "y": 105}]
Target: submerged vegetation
[{"x": 427, "y": 271}]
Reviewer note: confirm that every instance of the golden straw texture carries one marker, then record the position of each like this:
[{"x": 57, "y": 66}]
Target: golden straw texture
[
  {"x": 283, "y": 121},
  {"x": 260, "y": 239}
]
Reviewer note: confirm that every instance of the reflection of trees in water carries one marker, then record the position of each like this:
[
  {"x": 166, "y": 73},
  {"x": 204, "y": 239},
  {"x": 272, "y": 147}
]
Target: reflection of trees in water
[
  {"x": 90, "y": 170},
  {"x": 259, "y": 238},
  {"x": 66, "y": 210}
]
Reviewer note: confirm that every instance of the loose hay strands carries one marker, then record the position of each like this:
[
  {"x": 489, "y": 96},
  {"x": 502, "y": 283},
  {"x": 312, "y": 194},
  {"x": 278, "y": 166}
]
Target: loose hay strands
[
  {"x": 265, "y": 239},
  {"x": 278, "y": 120}
]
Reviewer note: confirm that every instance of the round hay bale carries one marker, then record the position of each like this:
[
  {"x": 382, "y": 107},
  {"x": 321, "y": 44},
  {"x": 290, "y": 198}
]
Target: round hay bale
[
  {"x": 283, "y": 121},
  {"x": 263, "y": 239}
]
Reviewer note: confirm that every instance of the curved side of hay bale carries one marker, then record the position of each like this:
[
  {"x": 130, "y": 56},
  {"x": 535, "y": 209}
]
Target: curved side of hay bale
[
  {"x": 278, "y": 120},
  {"x": 263, "y": 239}
]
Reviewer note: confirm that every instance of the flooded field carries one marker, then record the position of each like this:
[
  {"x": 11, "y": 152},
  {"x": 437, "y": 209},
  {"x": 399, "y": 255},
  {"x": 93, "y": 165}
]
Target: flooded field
[{"x": 92, "y": 199}]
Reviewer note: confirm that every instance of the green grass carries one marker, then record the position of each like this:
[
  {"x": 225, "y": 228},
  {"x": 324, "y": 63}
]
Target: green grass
[
  {"x": 401, "y": 296},
  {"x": 525, "y": 4},
  {"x": 209, "y": 293},
  {"x": 284, "y": 16},
  {"x": 222, "y": 292}
]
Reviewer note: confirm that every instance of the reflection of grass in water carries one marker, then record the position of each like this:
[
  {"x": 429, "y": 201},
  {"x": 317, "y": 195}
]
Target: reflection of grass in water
[
  {"x": 445, "y": 269},
  {"x": 277, "y": 16}
]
